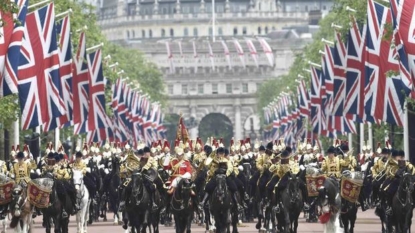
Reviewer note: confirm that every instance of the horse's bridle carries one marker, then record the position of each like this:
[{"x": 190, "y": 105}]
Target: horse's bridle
[
  {"x": 139, "y": 191},
  {"x": 407, "y": 190}
]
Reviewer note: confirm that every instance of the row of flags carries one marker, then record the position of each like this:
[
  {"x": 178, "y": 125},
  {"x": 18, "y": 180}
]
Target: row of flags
[
  {"x": 364, "y": 79},
  {"x": 266, "y": 48},
  {"x": 59, "y": 89}
]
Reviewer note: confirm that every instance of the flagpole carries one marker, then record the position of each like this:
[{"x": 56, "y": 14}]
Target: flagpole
[
  {"x": 16, "y": 132},
  {"x": 57, "y": 138},
  {"x": 370, "y": 132},
  {"x": 406, "y": 131},
  {"x": 213, "y": 20},
  {"x": 350, "y": 139},
  {"x": 362, "y": 136}
]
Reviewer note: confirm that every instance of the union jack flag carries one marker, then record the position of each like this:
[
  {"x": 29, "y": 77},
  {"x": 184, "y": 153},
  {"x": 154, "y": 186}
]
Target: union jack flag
[
  {"x": 39, "y": 81},
  {"x": 97, "y": 116},
  {"x": 315, "y": 97},
  {"x": 327, "y": 89},
  {"x": 339, "y": 81},
  {"x": 252, "y": 51},
  {"x": 80, "y": 87},
  {"x": 303, "y": 99},
  {"x": 355, "y": 82},
  {"x": 10, "y": 44},
  {"x": 380, "y": 58},
  {"x": 65, "y": 62},
  {"x": 226, "y": 53}
]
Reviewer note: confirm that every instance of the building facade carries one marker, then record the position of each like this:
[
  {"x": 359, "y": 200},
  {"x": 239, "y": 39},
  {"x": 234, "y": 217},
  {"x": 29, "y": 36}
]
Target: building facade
[{"x": 202, "y": 77}]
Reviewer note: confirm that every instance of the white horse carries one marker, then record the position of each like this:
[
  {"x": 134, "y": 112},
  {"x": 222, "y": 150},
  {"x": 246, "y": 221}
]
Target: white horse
[
  {"x": 82, "y": 197},
  {"x": 21, "y": 212}
]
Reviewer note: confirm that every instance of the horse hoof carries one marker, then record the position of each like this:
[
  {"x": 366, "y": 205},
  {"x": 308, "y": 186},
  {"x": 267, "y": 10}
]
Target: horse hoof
[
  {"x": 257, "y": 226},
  {"x": 102, "y": 216},
  {"x": 124, "y": 227}
]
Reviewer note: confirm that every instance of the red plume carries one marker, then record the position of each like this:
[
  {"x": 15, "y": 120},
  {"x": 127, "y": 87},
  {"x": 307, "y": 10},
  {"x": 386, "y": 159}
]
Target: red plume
[{"x": 324, "y": 218}]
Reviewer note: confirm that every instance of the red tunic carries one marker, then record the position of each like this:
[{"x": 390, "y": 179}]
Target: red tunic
[{"x": 178, "y": 169}]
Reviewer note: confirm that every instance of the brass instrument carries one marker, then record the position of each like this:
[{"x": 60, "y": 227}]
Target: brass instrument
[{"x": 132, "y": 162}]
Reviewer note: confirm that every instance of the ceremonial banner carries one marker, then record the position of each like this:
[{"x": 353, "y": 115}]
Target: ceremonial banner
[
  {"x": 6, "y": 192},
  {"x": 314, "y": 183},
  {"x": 38, "y": 196},
  {"x": 350, "y": 189}
]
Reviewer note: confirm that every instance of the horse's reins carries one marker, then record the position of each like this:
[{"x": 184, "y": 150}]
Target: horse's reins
[
  {"x": 407, "y": 191},
  {"x": 180, "y": 200}
]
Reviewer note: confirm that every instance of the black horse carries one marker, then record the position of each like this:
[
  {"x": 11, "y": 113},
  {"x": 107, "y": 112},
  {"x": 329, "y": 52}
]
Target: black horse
[
  {"x": 94, "y": 175},
  {"x": 53, "y": 213},
  {"x": 182, "y": 206},
  {"x": 349, "y": 209},
  {"x": 114, "y": 184},
  {"x": 138, "y": 204},
  {"x": 402, "y": 204},
  {"x": 221, "y": 204},
  {"x": 292, "y": 204}
]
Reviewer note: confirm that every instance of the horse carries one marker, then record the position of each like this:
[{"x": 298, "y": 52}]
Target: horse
[
  {"x": 292, "y": 205},
  {"x": 113, "y": 191},
  {"x": 349, "y": 209},
  {"x": 402, "y": 204},
  {"x": 328, "y": 204},
  {"x": 53, "y": 213},
  {"x": 379, "y": 210},
  {"x": 94, "y": 204},
  {"x": 82, "y": 197},
  {"x": 182, "y": 206},
  {"x": 220, "y": 204},
  {"x": 138, "y": 204},
  {"x": 20, "y": 210}
]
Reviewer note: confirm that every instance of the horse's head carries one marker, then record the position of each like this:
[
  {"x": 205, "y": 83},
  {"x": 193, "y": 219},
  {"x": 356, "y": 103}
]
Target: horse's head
[
  {"x": 184, "y": 188},
  {"x": 18, "y": 196},
  {"x": 78, "y": 179},
  {"x": 328, "y": 197},
  {"x": 293, "y": 187},
  {"x": 407, "y": 182},
  {"x": 137, "y": 181},
  {"x": 221, "y": 185}
]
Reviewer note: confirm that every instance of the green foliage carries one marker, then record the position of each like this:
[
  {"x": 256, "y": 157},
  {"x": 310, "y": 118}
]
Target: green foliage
[
  {"x": 342, "y": 17},
  {"x": 8, "y": 8}
]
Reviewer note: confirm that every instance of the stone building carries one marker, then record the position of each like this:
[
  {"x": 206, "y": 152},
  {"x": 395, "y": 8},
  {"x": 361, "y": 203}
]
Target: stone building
[{"x": 195, "y": 87}]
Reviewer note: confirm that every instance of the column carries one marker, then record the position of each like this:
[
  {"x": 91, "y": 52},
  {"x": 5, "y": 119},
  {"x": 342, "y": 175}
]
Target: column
[
  {"x": 406, "y": 132},
  {"x": 227, "y": 7},
  {"x": 202, "y": 6},
  {"x": 370, "y": 133},
  {"x": 156, "y": 7},
  {"x": 362, "y": 137},
  {"x": 193, "y": 132},
  {"x": 238, "y": 124},
  {"x": 178, "y": 7}
]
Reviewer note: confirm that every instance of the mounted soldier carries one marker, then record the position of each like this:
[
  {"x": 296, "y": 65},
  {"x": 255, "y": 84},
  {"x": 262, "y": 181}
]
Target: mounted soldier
[
  {"x": 218, "y": 164},
  {"x": 20, "y": 171},
  {"x": 396, "y": 167},
  {"x": 181, "y": 169},
  {"x": 149, "y": 166},
  {"x": 80, "y": 165},
  {"x": 262, "y": 175},
  {"x": 331, "y": 165},
  {"x": 56, "y": 167},
  {"x": 379, "y": 172},
  {"x": 234, "y": 176}
]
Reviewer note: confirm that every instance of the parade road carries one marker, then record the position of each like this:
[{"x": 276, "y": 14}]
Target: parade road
[{"x": 367, "y": 222}]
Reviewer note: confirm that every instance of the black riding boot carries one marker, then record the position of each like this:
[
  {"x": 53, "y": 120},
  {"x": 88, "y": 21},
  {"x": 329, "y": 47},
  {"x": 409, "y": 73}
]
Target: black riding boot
[
  {"x": 304, "y": 193},
  {"x": 277, "y": 201},
  {"x": 245, "y": 198},
  {"x": 205, "y": 198},
  {"x": 121, "y": 207},
  {"x": 235, "y": 201},
  {"x": 154, "y": 206}
]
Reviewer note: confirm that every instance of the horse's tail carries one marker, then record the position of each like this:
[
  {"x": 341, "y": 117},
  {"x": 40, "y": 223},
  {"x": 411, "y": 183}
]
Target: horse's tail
[{"x": 14, "y": 222}]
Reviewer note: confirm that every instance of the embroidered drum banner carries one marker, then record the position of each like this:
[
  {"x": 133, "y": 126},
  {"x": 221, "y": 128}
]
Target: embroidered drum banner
[
  {"x": 350, "y": 189},
  {"x": 313, "y": 183},
  {"x": 38, "y": 196},
  {"x": 6, "y": 190}
]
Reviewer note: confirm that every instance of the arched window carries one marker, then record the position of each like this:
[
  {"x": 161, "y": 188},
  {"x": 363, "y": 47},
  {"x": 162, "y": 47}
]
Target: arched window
[
  {"x": 194, "y": 31},
  {"x": 259, "y": 31},
  {"x": 244, "y": 30},
  {"x": 266, "y": 30},
  {"x": 186, "y": 32},
  {"x": 163, "y": 33},
  {"x": 128, "y": 34},
  {"x": 143, "y": 33},
  {"x": 150, "y": 33},
  {"x": 171, "y": 32},
  {"x": 220, "y": 32},
  {"x": 235, "y": 31},
  {"x": 133, "y": 32}
]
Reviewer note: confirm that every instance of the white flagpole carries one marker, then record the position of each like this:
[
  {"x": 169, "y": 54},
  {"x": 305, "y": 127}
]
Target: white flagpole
[
  {"x": 406, "y": 132},
  {"x": 57, "y": 136},
  {"x": 16, "y": 132},
  {"x": 370, "y": 132},
  {"x": 362, "y": 136},
  {"x": 350, "y": 139}
]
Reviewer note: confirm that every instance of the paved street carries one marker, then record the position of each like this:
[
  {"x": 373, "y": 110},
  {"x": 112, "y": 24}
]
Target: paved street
[{"x": 366, "y": 222}]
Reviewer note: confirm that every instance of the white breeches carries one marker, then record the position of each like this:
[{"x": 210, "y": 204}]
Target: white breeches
[{"x": 175, "y": 182}]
